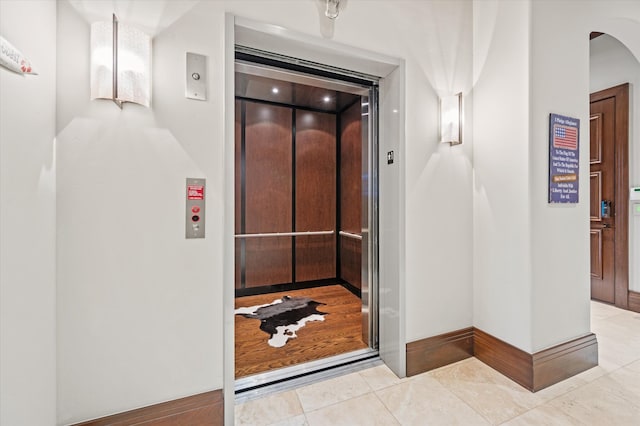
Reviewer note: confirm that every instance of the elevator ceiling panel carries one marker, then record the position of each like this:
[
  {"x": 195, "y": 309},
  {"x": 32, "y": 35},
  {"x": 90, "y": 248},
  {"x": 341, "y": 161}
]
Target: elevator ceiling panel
[{"x": 292, "y": 93}]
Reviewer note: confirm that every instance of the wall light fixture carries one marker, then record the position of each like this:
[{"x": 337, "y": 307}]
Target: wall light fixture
[
  {"x": 120, "y": 63},
  {"x": 332, "y": 9},
  {"x": 451, "y": 119}
]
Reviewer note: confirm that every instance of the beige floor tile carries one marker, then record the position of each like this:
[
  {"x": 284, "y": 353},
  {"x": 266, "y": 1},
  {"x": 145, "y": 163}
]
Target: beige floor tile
[
  {"x": 621, "y": 328},
  {"x": 625, "y": 382},
  {"x": 607, "y": 364},
  {"x": 634, "y": 366},
  {"x": 329, "y": 392},
  {"x": 561, "y": 388},
  {"x": 593, "y": 373},
  {"x": 601, "y": 311},
  {"x": 617, "y": 351},
  {"x": 597, "y": 403},
  {"x": 491, "y": 394},
  {"x": 300, "y": 420},
  {"x": 380, "y": 377},
  {"x": 268, "y": 410},
  {"x": 423, "y": 400},
  {"x": 365, "y": 410},
  {"x": 543, "y": 415}
]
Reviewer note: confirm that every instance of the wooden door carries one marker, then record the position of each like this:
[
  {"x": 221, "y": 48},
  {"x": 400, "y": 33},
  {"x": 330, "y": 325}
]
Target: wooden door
[
  {"x": 610, "y": 178},
  {"x": 602, "y": 200}
]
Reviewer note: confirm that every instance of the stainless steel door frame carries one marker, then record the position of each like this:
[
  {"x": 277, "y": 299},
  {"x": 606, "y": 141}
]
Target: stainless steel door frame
[
  {"x": 261, "y": 383},
  {"x": 369, "y": 232}
]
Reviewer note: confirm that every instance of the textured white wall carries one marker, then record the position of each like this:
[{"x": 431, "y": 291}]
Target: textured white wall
[
  {"x": 611, "y": 64},
  {"x": 27, "y": 218}
]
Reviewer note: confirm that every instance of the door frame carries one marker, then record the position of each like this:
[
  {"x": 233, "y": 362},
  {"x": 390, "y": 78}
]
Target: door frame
[
  {"x": 621, "y": 189},
  {"x": 391, "y": 183}
]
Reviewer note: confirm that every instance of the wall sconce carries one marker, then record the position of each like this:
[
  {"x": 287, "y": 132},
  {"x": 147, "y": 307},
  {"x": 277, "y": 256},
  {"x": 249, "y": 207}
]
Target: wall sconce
[
  {"x": 120, "y": 63},
  {"x": 332, "y": 9},
  {"x": 451, "y": 119}
]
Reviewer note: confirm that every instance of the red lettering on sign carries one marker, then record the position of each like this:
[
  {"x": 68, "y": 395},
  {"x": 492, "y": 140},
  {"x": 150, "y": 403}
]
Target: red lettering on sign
[{"x": 195, "y": 192}]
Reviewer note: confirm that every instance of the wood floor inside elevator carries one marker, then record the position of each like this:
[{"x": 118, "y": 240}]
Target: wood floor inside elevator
[{"x": 339, "y": 333}]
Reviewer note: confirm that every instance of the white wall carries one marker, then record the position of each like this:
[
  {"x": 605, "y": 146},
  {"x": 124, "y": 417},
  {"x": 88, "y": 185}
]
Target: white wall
[
  {"x": 531, "y": 259},
  {"x": 139, "y": 310},
  {"x": 501, "y": 245},
  {"x": 140, "y": 307},
  {"x": 611, "y": 64},
  {"x": 27, "y": 218},
  {"x": 560, "y": 84},
  {"x": 560, "y": 290}
]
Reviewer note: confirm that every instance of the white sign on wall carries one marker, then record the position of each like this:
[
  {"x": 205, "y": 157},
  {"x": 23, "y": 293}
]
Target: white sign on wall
[{"x": 12, "y": 59}]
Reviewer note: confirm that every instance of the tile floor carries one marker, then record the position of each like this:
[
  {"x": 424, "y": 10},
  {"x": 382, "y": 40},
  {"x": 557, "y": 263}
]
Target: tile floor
[{"x": 471, "y": 393}]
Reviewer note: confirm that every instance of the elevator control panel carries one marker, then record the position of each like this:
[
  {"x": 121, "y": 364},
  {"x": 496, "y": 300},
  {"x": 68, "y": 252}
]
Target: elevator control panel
[
  {"x": 196, "y": 83},
  {"x": 195, "y": 208}
]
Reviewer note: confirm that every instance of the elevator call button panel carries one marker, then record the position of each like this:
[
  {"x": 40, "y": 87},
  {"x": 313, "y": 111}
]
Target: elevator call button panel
[{"x": 195, "y": 197}]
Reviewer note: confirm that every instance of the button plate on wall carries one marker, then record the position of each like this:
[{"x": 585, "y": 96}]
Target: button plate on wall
[
  {"x": 195, "y": 197},
  {"x": 196, "y": 87}
]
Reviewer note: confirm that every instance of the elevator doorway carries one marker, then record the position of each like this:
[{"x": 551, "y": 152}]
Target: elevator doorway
[{"x": 305, "y": 218}]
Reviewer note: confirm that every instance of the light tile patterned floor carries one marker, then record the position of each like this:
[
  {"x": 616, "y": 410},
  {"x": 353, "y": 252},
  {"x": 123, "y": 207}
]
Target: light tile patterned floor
[{"x": 470, "y": 393}]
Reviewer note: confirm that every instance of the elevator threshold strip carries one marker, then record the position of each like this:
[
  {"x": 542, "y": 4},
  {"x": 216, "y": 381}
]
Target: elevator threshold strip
[{"x": 283, "y": 379}]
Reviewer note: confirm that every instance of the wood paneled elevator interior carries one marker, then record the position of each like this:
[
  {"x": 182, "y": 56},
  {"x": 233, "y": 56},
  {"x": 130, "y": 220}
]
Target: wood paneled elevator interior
[
  {"x": 298, "y": 203},
  {"x": 298, "y": 170}
]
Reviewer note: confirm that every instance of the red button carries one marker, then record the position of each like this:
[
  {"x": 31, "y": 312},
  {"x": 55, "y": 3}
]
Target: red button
[{"x": 195, "y": 209}]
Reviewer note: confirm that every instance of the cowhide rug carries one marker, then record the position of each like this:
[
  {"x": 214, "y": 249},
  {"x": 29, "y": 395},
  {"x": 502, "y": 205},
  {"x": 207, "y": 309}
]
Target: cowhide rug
[{"x": 283, "y": 317}]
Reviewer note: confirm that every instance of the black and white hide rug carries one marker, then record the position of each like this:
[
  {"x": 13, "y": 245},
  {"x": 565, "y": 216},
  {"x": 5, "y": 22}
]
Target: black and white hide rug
[{"x": 283, "y": 317}]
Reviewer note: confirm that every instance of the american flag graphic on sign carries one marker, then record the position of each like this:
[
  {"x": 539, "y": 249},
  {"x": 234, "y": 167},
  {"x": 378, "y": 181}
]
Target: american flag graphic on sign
[{"x": 565, "y": 137}]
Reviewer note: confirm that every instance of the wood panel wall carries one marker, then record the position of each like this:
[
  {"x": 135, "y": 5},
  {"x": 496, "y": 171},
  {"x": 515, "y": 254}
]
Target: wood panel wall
[
  {"x": 315, "y": 180},
  {"x": 268, "y": 194},
  {"x": 351, "y": 194},
  {"x": 286, "y": 180}
]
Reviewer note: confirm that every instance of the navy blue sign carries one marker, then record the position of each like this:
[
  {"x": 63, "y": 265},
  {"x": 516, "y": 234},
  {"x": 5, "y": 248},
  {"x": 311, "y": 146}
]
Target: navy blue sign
[{"x": 564, "y": 164}]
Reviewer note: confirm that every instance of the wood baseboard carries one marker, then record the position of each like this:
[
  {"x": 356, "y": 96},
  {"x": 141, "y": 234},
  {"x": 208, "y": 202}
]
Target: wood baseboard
[
  {"x": 634, "y": 301},
  {"x": 532, "y": 371},
  {"x": 503, "y": 357},
  {"x": 433, "y": 352},
  {"x": 205, "y": 409},
  {"x": 562, "y": 361}
]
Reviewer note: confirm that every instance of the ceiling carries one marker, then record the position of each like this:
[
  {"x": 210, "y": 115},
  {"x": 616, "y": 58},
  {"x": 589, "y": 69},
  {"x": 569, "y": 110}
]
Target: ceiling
[{"x": 151, "y": 16}]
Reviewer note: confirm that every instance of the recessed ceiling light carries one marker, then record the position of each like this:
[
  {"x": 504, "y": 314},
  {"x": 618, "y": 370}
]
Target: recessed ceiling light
[
  {"x": 275, "y": 90},
  {"x": 326, "y": 99}
]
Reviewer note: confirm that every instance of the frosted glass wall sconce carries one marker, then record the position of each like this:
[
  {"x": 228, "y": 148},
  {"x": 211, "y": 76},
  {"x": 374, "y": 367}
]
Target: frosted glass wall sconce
[
  {"x": 451, "y": 119},
  {"x": 120, "y": 63},
  {"x": 332, "y": 9}
]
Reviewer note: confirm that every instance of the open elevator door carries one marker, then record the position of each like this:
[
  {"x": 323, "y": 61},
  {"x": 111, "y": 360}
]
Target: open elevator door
[{"x": 355, "y": 238}]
